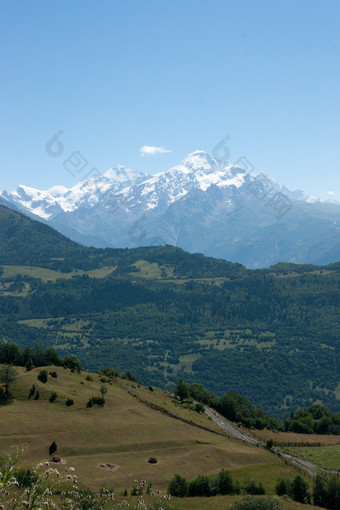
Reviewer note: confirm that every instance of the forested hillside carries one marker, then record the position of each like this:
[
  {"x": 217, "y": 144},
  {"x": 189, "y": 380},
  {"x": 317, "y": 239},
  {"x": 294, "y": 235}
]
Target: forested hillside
[{"x": 271, "y": 335}]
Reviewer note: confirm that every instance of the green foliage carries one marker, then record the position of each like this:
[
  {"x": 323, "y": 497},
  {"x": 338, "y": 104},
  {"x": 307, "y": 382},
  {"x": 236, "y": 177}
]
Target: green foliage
[
  {"x": 96, "y": 401},
  {"x": 37, "y": 395},
  {"x": 43, "y": 376},
  {"x": 54, "y": 374},
  {"x": 129, "y": 376},
  {"x": 29, "y": 365},
  {"x": 103, "y": 390},
  {"x": 200, "y": 487},
  {"x": 204, "y": 486},
  {"x": 8, "y": 376},
  {"x": 269, "y": 444},
  {"x": 178, "y": 487},
  {"x": 243, "y": 331},
  {"x": 199, "y": 407},
  {"x": 31, "y": 392},
  {"x": 109, "y": 372},
  {"x": 300, "y": 490},
  {"x": 53, "y": 397},
  {"x": 239, "y": 409},
  {"x": 254, "y": 488},
  {"x": 181, "y": 390},
  {"x": 315, "y": 419},
  {"x": 284, "y": 487},
  {"x": 225, "y": 484},
  {"x": 69, "y": 402},
  {"x": 71, "y": 362},
  {"x": 326, "y": 492},
  {"x": 25, "y": 477},
  {"x": 89, "y": 377},
  {"x": 260, "y": 503}
]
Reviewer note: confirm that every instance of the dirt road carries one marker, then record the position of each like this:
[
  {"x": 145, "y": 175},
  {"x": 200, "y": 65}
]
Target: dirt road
[{"x": 308, "y": 467}]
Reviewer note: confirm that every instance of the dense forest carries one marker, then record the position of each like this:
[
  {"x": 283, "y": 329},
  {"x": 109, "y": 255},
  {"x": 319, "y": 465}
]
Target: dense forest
[{"x": 271, "y": 335}]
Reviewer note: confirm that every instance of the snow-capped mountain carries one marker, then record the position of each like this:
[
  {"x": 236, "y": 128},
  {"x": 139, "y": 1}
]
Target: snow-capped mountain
[{"x": 202, "y": 204}]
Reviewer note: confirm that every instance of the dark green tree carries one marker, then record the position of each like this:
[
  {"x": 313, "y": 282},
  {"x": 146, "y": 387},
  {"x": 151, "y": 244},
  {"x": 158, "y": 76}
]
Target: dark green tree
[
  {"x": 8, "y": 376},
  {"x": 225, "y": 484},
  {"x": 182, "y": 390},
  {"x": 300, "y": 490},
  {"x": 43, "y": 376},
  {"x": 178, "y": 487},
  {"x": 320, "y": 491}
]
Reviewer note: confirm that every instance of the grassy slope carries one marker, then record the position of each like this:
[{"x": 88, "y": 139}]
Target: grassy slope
[
  {"x": 125, "y": 433},
  {"x": 48, "y": 275}
]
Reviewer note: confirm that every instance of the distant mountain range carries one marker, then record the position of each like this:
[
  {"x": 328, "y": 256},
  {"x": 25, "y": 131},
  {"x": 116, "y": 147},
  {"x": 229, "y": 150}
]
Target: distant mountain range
[{"x": 201, "y": 205}]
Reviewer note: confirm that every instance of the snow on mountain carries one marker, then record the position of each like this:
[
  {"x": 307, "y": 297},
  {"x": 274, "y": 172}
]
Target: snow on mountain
[
  {"x": 137, "y": 191},
  {"x": 201, "y": 204},
  {"x": 87, "y": 192}
]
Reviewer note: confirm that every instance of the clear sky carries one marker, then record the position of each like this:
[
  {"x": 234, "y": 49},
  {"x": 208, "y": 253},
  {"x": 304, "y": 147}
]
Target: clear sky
[{"x": 118, "y": 75}]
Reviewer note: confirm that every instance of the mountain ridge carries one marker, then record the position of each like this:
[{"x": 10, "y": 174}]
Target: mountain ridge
[{"x": 201, "y": 205}]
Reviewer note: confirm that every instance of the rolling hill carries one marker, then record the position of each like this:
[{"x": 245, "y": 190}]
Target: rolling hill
[
  {"x": 271, "y": 335},
  {"x": 111, "y": 446}
]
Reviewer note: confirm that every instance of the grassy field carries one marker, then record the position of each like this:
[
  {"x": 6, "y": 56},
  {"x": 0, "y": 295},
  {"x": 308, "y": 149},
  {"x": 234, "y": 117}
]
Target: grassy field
[
  {"x": 124, "y": 433},
  {"x": 292, "y": 437},
  {"x": 325, "y": 456},
  {"x": 49, "y": 275}
]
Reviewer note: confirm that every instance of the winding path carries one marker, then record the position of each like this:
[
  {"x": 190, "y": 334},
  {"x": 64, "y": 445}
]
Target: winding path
[{"x": 308, "y": 467}]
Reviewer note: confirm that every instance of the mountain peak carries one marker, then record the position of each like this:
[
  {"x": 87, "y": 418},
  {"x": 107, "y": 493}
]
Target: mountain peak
[{"x": 199, "y": 160}]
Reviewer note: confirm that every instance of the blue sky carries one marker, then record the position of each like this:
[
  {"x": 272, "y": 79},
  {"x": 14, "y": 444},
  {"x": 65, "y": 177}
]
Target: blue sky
[{"x": 118, "y": 75}]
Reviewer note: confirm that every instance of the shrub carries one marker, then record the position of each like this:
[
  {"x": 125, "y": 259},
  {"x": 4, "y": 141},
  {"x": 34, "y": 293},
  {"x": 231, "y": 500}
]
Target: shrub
[
  {"x": 25, "y": 477},
  {"x": 109, "y": 372},
  {"x": 37, "y": 395},
  {"x": 32, "y": 391},
  {"x": 178, "y": 487},
  {"x": 254, "y": 488},
  {"x": 333, "y": 493},
  {"x": 52, "y": 448},
  {"x": 29, "y": 365},
  {"x": 96, "y": 401},
  {"x": 201, "y": 486},
  {"x": 43, "y": 376},
  {"x": 71, "y": 362},
  {"x": 300, "y": 490},
  {"x": 199, "y": 407},
  {"x": 89, "y": 377},
  {"x": 69, "y": 402},
  {"x": 129, "y": 376},
  {"x": 269, "y": 444},
  {"x": 103, "y": 390},
  {"x": 53, "y": 397},
  {"x": 224, "y": 483},
  {"x": 54, "y": 374},
  {"x": 284, "y": 486},
  {"x": 260, "y": 503}
]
